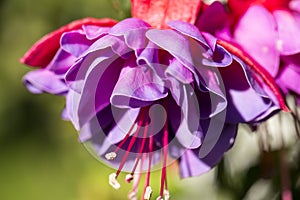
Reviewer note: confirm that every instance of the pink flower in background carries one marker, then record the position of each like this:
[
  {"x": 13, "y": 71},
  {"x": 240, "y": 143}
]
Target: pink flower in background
[{"x": 269, "y": 31}]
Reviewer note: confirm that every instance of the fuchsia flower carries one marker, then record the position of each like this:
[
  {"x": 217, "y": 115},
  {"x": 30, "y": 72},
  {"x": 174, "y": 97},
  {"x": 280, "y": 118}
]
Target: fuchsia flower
[
  {"x": 269, "y": 31},
  {"x": 139, "y": 93}
]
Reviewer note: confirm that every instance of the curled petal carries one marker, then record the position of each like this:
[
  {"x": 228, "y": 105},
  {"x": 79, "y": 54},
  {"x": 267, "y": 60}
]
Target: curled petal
[
  {"x": 97, "y": 87},
  {"x": 41, "y": 80},
  {"x": 75, "y": 42},
  {"x": 239, "y": 88},
  {"x": 42, "y": 52},
  {"x": 201, "y": 160},
  {"x": 137, "y": 87}
]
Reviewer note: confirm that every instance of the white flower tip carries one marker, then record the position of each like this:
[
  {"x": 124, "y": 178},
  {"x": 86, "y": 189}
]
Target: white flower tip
[
  {"x": 132, "y": 195},
  {"x": 167, "y": 194},
  {"x": 148, "y": 193},
  {"x": 129, "y": 178},
  {"x": 110, "y": 156},
  {"x": 113, "y": 181},
  {"x": 159, "y": 198}
]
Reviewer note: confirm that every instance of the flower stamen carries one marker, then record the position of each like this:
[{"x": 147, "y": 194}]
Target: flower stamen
[
  {"x": 110, "y": 156},
  {"x": 165, "y": 153},
  {"x": 147, "y": 192},
  {"x": 128, "y": 179},
  {"x": 113, "y": 181}
]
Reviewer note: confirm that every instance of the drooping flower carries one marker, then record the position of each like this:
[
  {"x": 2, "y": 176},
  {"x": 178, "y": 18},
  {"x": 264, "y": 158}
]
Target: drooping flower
[{"x": 140, "y": 93}]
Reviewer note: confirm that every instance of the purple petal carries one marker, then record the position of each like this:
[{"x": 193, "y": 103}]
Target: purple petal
[
  {"x": 221, "y": 57},
  {"x": 193, "y": 163},
  {"x": 258, "y": 37},
  {"x": 136, "y": 39},
  {"x": 252, "y": 105},
  {"x": 98, "y": 86},
  {"x": 151, "y": 57},
  {"x": 61, "y": 62},
  {"x": 173, "y": 42},
  {"x": 72, "y": 104},
  {"x": 137, "y": 87},
  {"x": 185, "y": 119},
  {"x": 188, "y": 30},
  {"x": 94, "y": 32},
  {"x": 75, "y": 42},
  {"x": 214, "y": 93},
  {"x": 76, "y": 75},
  {"x": 180, "y": 72},
  {"x": 128, "y": 24},
  {"x": 42, "y": 80},
  {"x": 216, "y": 24}
]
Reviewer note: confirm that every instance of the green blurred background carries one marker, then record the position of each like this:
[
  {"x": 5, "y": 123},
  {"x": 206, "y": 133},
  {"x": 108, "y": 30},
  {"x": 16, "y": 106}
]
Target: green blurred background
[{"x": 40, "y": 155}]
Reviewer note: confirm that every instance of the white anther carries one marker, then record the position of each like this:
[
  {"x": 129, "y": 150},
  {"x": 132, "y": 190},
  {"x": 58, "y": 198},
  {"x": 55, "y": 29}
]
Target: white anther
[
  {"x": 110, "y": 156},
  {"x": 148, "y": 193},
  {"x": 129, "y": 178},
  {"x": 167, "y": 194},
  {"x": 113, "y": 181},
  {"x": 132, "y": 195}
]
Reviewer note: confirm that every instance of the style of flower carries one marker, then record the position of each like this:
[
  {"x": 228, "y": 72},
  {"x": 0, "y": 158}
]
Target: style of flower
[{"x": 268, "y": 31}]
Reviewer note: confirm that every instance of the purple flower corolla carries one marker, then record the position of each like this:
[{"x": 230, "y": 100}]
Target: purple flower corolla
[{"x": 139, "y": 93}]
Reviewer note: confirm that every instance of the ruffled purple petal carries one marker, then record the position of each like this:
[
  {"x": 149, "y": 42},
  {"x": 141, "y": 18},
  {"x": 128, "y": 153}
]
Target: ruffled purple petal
[
  {"x": 98, "y": 86},
  {"x": 75, "y": 42},
  {"x": 94, "y": 32},
  {"x": 42, "y": 80},
  {"x": 188, "y": 30},
  {"x": 72, "y": 104},
  {"x": 197, "y": 162},
  {"x": 136, "y": 40},
  {"x": 137, "y": 87},
  {"x": 187, "y": 126},
  {"x": 126, "y": 25},
  {"x": 179, "y": 72},
  {"x": 221, "y": 58},
  {"x": 215, "y": 20},
  {"x": 252, "y": 105},
  {"x": 173, "y": 42},
  {"x": 61, "y": 62}
]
